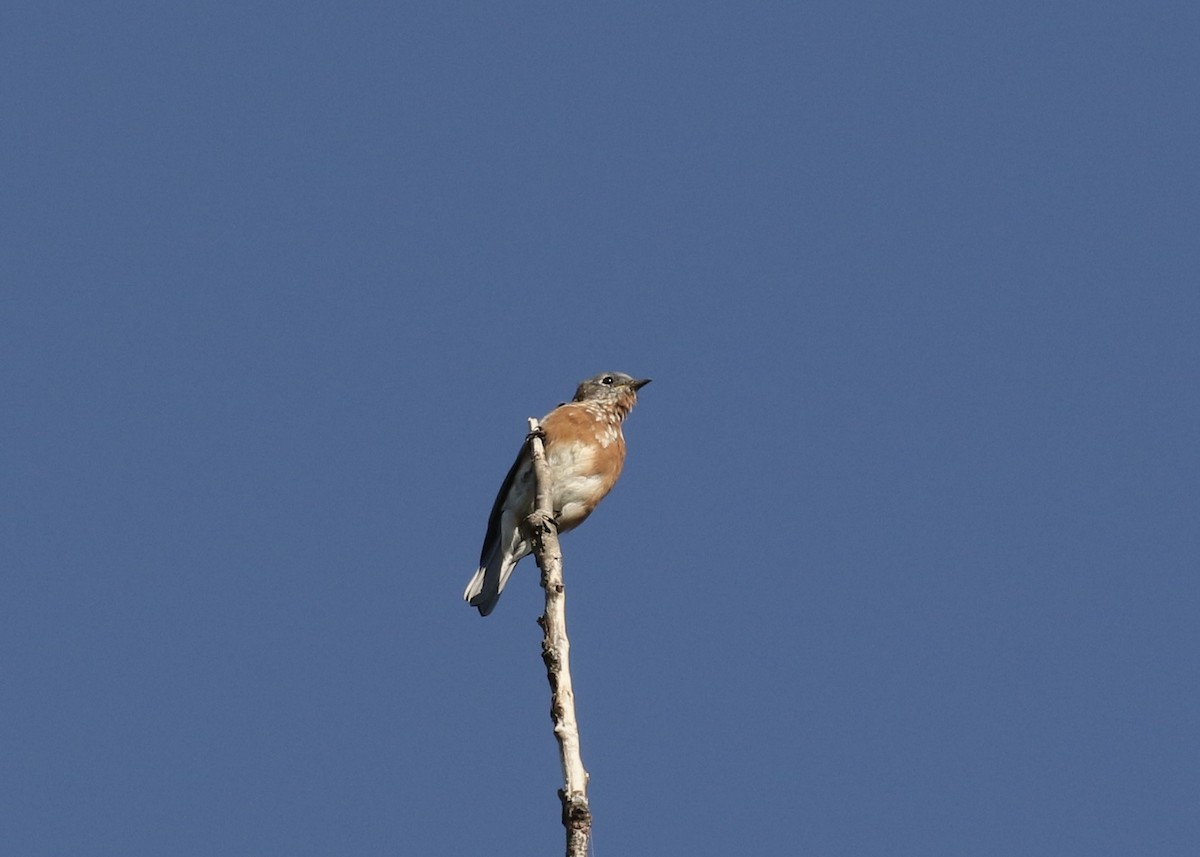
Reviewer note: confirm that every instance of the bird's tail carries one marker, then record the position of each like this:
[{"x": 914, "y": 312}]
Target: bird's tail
[
  {"x": 482, "y": 592},
  {"x": 488, "y": 582}
]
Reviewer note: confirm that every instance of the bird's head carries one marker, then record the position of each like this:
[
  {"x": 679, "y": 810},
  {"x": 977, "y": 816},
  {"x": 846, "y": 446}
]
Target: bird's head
[{"x": 615, "y": 389}]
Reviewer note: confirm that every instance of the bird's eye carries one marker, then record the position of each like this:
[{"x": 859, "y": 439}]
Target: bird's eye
[{"x": 607, "y": 379}]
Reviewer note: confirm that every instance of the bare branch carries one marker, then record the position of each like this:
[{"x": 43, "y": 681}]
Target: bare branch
[{"x": 556, "y": 649}]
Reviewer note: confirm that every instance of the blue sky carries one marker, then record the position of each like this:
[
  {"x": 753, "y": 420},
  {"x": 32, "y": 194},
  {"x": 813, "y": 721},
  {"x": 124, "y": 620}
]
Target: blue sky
[{"x": 904, "y": 559}]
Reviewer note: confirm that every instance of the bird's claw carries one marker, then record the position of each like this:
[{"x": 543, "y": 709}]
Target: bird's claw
[{"x": 540, "y": 521}]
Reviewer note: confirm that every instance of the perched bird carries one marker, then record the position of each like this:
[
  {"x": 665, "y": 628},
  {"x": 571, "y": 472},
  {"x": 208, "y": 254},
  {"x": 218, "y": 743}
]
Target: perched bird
[{"x": 585, "y": 451}]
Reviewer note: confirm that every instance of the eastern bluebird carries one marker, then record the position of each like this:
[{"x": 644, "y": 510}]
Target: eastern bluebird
[{"x": 584, "y": 454}]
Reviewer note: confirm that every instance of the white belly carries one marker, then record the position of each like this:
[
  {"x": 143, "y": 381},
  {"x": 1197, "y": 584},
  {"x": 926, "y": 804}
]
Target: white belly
[{"x": 576, "y": 486}]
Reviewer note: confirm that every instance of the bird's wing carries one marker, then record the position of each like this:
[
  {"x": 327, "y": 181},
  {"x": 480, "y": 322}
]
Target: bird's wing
[{"x": 493, "y": 528}]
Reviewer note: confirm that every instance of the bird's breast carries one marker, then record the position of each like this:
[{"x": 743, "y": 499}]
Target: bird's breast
[{"x": 583, "y": 469}]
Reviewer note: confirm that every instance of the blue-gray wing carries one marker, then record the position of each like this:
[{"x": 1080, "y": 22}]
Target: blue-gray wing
[{"x": 492, "y": 538}]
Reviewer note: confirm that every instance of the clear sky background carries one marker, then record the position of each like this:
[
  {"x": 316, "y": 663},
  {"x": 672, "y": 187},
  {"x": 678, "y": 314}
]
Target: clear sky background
[{"x": 904, "y": 560}]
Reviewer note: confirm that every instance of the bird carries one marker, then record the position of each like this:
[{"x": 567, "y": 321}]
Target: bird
[{"x": 585, "y": 451}]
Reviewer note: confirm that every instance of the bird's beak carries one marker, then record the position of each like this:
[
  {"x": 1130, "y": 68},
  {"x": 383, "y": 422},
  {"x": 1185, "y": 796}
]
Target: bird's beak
[{"x": 637, "y": 385}]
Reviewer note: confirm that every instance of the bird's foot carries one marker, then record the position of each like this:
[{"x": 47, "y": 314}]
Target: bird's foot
[{"x": 540, "y": 521}]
